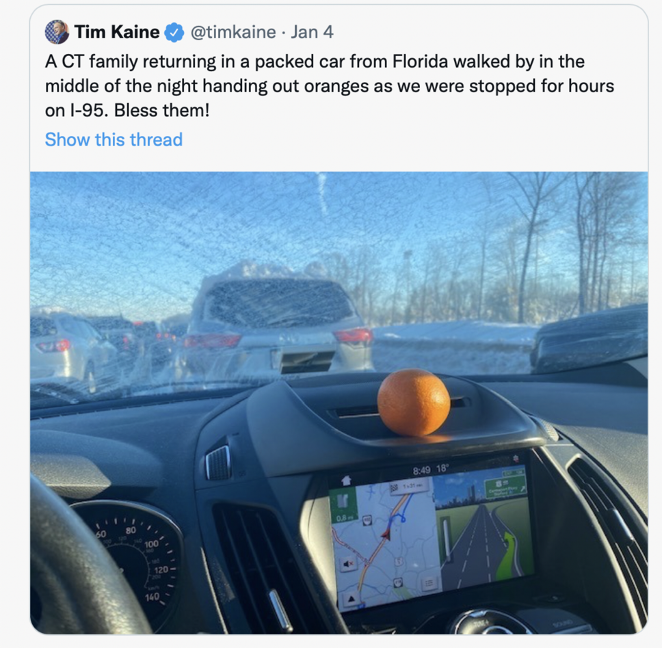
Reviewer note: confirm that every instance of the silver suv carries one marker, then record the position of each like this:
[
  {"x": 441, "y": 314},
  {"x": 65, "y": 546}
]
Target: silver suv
[
  {"x": 68, "y": 351},
  {"x": 262, "y": 328}
]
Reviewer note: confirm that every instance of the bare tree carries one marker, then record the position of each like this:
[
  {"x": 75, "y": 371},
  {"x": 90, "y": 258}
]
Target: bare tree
[
  {"x": 359, "y": 272},
  {"x": 585, "y": 236},
  {"x": 536, "y": 189},
  {"x": 604, "y": 214}
]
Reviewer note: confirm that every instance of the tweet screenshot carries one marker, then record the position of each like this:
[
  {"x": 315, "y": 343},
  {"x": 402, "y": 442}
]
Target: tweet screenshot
[{"x": 339, "y": 319}]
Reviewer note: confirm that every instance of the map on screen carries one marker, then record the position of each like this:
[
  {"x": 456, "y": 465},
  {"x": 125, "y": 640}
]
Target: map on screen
[{"x": 400, "y": 539}]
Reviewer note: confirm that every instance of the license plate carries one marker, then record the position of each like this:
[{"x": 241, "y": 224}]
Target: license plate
[{"x": 276, "y": 358}]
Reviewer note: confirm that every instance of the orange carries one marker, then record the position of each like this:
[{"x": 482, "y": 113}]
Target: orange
[{"x": 413, "y": 402}]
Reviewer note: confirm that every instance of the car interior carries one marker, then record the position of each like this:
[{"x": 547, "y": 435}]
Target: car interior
[{"x": 243, "y": 510}]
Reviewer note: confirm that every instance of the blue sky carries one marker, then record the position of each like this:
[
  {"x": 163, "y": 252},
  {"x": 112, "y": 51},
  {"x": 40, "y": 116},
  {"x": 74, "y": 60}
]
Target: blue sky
[
  {"x": 140, "y": 243},
  {"x": 446, "y": 487}
]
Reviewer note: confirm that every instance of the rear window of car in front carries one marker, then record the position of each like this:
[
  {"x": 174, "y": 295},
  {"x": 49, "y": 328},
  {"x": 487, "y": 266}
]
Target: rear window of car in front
[
  {"x": 42, "y": 326},
  {"x": 277, "y": 303}
]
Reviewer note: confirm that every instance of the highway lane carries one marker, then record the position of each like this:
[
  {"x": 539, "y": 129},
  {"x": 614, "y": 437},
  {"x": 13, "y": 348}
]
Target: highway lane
[{"x": 477, "y": 554}]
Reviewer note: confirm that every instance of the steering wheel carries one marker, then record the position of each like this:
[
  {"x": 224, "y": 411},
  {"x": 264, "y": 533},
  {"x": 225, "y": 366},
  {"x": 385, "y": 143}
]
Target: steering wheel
[{"x": 80, "y": 586}]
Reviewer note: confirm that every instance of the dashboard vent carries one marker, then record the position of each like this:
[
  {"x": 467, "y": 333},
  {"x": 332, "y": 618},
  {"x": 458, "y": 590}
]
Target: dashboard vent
[
  {"x": 628, "y": 542},
  {"x": 269, "y": 585},
  {"x": 218, "y": 465}
]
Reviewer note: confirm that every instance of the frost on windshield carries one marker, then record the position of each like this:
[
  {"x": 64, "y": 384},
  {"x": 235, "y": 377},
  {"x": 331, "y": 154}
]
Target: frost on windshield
[{"x": 167, "y": 281}]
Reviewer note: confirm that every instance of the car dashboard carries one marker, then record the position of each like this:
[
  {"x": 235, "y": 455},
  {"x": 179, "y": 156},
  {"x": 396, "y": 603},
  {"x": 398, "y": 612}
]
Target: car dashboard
[{"x": 291, "y": 508}]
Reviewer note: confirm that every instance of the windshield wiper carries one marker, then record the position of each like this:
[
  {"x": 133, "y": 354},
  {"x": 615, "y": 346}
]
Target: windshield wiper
[
  {"x": 44, "y": 395},
  {"x": 196, "y": 386}
]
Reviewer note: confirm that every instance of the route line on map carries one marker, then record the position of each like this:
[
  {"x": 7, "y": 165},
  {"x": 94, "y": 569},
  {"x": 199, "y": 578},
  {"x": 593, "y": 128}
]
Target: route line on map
[{"x": 385, "y": 537}]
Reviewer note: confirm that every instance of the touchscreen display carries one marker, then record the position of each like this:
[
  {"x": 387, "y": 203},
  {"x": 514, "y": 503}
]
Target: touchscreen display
[{"x": 407, "y": 532}]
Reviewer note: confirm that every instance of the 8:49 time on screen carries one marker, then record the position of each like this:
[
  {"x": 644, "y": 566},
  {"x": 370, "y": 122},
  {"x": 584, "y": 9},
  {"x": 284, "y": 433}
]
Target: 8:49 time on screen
[{"x": 423, "y": 471}]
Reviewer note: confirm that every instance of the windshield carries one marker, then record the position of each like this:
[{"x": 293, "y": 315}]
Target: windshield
[{"x": 168, "y": 282}]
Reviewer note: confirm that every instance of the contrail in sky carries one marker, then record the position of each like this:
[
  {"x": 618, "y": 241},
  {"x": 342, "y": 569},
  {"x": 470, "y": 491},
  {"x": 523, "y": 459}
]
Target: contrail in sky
[{"x": 321, "y": 181}]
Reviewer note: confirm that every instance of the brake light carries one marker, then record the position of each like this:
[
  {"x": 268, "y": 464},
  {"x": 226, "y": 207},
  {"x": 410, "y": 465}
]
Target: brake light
[
  {"x": 211, "y": 341},
  {"x": 356, "y": 335},
  {"x": 55, "y": 347}
]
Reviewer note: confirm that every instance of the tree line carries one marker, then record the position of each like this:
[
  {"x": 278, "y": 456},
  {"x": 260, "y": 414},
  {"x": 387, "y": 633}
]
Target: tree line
[{"x": 545, "y": 246}]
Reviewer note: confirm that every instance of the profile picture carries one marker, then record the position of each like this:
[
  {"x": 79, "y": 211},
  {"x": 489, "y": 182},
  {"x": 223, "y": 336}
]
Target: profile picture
[{"x": 57, "y": 32}]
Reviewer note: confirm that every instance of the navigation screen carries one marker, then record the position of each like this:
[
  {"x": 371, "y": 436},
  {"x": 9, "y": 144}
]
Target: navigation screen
[{"x": 408, "y": 532}]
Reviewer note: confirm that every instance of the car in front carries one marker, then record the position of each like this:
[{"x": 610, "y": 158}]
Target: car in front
[
  {"x": 262, "y": 328},
  {"x": 120, "y": 332}
]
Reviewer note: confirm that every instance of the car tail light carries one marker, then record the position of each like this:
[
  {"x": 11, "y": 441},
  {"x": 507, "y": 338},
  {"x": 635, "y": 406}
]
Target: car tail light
[
  {"x": 125, "y": 343},
  {"x": 211, "y": 341},
  {"x": 356, "y": 335},
  {"x": 54, "y": 347}
]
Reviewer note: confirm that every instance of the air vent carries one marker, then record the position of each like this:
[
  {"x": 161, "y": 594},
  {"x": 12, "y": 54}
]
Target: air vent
[
  {"x": 263, "y": 571},
  {"x": 218, "y": 465},
  {"x": 628, "y": 541}
]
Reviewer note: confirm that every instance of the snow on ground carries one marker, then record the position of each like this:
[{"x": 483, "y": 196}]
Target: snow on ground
[
  {"x": 468, "y": 330},
  {"x": 466, "y": 347}
]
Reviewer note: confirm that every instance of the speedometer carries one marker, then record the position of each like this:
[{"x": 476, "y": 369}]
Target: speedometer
[{"x": 147, "y": 547}]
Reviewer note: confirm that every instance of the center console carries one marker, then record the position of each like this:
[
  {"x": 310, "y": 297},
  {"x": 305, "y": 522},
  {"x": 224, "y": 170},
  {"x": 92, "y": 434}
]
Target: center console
[
  {"x": 446, "y": 547},
  {"x": 324, "y": 521}
]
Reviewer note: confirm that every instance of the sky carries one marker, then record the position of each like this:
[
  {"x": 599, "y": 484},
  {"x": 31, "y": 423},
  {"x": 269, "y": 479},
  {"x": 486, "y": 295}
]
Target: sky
[
  {"x": 456, "y": 485},
  {"x": 139, "y": 244}
]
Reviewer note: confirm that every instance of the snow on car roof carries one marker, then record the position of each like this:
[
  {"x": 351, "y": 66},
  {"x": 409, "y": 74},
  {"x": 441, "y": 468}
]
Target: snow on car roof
[{"x": 47, "y": 311}]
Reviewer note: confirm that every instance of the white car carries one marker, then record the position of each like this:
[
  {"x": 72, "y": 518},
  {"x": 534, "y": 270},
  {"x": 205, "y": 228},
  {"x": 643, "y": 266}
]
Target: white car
[
  {"x": 67, "y": 351},
  {"x": 270, "y": 326}
]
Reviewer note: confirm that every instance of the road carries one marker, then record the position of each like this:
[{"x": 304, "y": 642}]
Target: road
[
  {"x": 479, "y": 552},
  {"x": 386, "y": 536}
]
